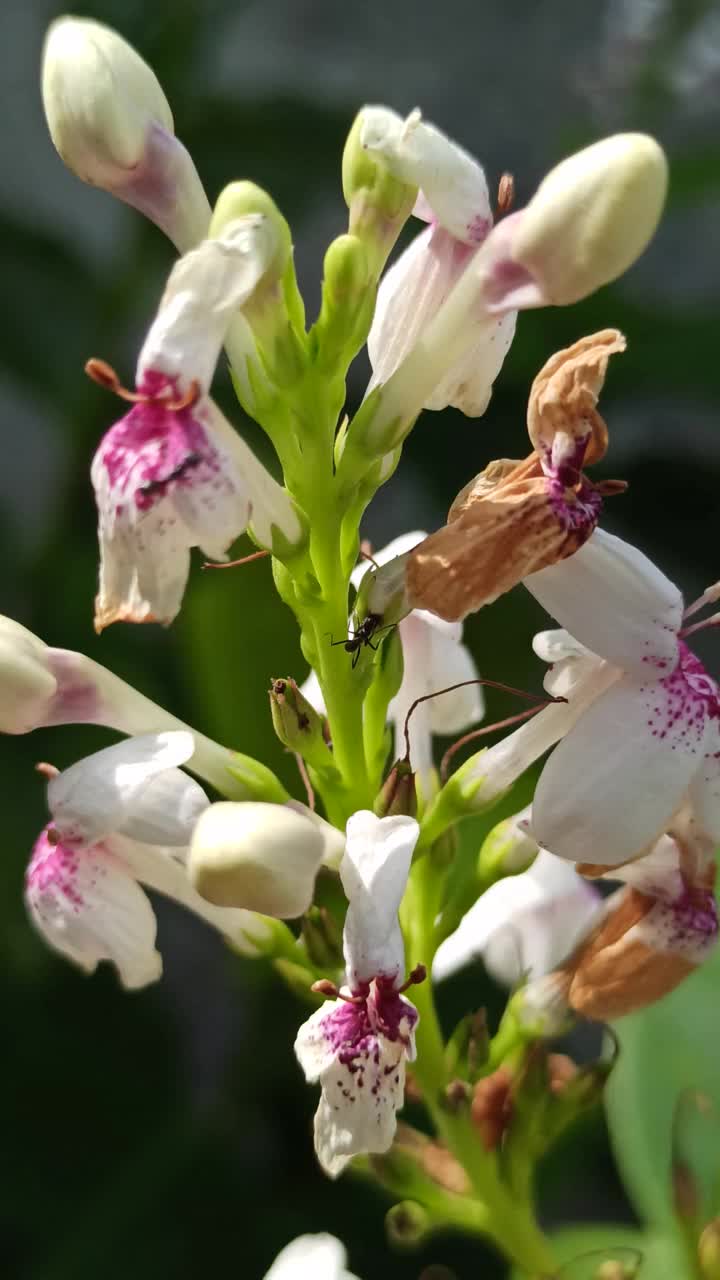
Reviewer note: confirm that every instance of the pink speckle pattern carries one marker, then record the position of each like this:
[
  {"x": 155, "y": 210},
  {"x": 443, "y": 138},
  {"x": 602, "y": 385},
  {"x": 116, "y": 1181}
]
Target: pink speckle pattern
[
  {"x": 575, "y": 503},
  {"x": 681, "y": 705},
  {"x": 154, "y": 450},
  {"x": 687, "y": 926},
  {"x": 53, "y": 871}
]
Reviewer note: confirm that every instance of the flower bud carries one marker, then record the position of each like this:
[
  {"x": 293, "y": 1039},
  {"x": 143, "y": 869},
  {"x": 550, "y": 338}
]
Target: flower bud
[
  {"x": 508, "y": 849},
  {"x": 263, "y": 857},
  {"x": 383, "y": 592},
  {"x": 407, "y": 1224},
  {"x": 299, "y": 727},
  {"x": 709, "y": 1251},
  {"x": 275, "y": 310},
  {"x": 379, "y": 203},
  {"x": 111, "y": 124},
  {"x": 348, "y": 300},
  {"x": 590, "y": 218},
  {"x": 397, "y": 794},
  {"x": 27, "y": 685}
]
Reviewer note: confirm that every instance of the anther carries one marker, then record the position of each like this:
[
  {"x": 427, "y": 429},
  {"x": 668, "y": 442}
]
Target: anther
[
  {"x": 47, "y": 770},
  {"x": 324, "y": 987},
  {"x": 505, "y": 195},
  {"x": 414, "y": 978},
  {"x": 104, "y": 374},
  {"x": 52, "y": 835}
]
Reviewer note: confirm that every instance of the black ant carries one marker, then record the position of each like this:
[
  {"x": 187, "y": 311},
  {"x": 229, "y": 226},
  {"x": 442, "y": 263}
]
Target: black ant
[{"x": 369, "y": 627}]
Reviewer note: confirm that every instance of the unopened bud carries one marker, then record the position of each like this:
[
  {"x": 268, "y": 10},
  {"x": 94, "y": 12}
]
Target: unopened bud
[
  {"x": 348, "y": 300},
  {"x": 299, "y": 726},
  {"x": 709, "y": 1251},
  {"x": 383, "y": 592},
  {"x": 508, "y": 849},
  {"x": 27, "y": 685},
  {"x": 379, "y": 203},
  {"x": 263, "y": 857},
  {"x": 275, "y": 310},
  {"x": 591, "y": 217},
  {"x": 398, "y": 794},
  {"x": 407, "y": 1224},
  {"x": 111, "y": 123}
]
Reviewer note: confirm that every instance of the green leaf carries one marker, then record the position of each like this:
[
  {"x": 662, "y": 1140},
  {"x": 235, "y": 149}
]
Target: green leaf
[
  {"x": 670, "y": 1047},
  {"x": 662, "y": 1255}
]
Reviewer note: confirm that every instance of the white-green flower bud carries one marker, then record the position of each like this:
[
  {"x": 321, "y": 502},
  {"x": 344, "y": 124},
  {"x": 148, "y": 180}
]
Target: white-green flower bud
[
  {"x": 379, "y": 202},
  {"x": 508, "y": 849},
  {"x": 263, "y": 857},
  {"x": 112, "y": 125},
  {"x": 591, "y": 217},
  {"x": 275, "y": 310}
]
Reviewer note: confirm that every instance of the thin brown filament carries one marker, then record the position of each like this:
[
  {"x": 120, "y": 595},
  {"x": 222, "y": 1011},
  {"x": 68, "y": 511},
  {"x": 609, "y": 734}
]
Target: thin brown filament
[
  {"x": 712, "y": 621},
  {"x": 105, "y": 376},
  {"x": 490, "y": 728},
  {"x": 234, "y": 564},
  {"x": 302, "y": 770},
  {"x": 491, "y": 684},
  {"x": 505, "y": 195}
]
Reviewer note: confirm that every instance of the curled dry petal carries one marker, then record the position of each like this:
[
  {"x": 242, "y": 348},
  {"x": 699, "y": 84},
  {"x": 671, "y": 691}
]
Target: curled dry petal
[
  {"x": 565, "y": 392},
  {"x": 498, "y": 534}
]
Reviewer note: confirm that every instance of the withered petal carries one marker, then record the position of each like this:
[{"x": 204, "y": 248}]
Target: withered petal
[{"x": 565, "y": 392}]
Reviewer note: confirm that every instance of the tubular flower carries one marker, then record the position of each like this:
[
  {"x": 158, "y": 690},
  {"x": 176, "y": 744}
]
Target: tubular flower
[
  {"x": 453, "y": 200},
  {"x": 173, "y": 474},
  {"x": 121, "y": 818},
  {"x": 524, "y": 924},
  {"x": 652, "y": 739},
  {"x": 112, "y": 125},
  {"x": 434, "y": 657},
  {"x": 651, "y": 934},
  {"x": 518, "y": 517},
  {"x": 321, "y": 1257},
  {"x": 357, "y": 1045}
]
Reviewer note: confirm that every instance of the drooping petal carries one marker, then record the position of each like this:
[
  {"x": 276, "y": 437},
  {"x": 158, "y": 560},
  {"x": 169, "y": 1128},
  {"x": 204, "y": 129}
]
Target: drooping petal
[
  {"x": 163, "y": 483},
  {"x": 374, "y": 875},
  {"x": 614, "y": 600},
  {"x": 452, "y": 182},
  {"x": 524, "y": 924},
  {"x": 319, "y": 1257},
  {"x": 87, "y": 906},
  {"x": 612, "y": 785},
  {"x": 357, "y": 1110},
  {"x": 133, "y": 787}
]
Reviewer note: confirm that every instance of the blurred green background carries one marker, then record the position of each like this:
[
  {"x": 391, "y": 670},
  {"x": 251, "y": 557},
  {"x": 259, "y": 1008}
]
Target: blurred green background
[{"x": 166, "y": 1135}]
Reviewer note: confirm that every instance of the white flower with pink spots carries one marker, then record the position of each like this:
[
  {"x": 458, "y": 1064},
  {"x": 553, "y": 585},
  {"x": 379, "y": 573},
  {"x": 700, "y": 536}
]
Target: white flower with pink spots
[{"x": 357, "y": 1045}]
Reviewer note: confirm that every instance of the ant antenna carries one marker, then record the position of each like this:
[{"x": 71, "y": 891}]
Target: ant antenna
[{"x": 491, "y": 684}]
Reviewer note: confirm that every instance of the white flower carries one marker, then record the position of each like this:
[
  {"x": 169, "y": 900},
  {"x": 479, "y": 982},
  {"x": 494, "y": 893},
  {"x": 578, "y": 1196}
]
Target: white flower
[
  {"x": 264, "y": 857},
  {"x": 652, "y": 738},
  {"x": 121, "y": 818},
  {"x": 454, "y": 201},
  {"x": 112, "y": 125},
  {"x": 434, "y": 657},
  {"x": 319, "y": 1257},
  {"x": 523, "y": 925},
  {"x": 172, "y": 473},
  {"x": 357, "y": 1045}
]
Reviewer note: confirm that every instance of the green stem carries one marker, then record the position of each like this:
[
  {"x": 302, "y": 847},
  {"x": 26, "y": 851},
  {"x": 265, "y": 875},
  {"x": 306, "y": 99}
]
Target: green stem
[{"x": 507, "y": 1219}]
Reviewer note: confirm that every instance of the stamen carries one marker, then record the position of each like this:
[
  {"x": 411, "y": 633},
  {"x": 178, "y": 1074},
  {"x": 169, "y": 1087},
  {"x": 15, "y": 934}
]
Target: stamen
[
  {"x": 414, "y": 978},
  {"x": 104, "y": 374},
  {"x": 609, "y": 488},
  {"x": 53, "y": 836},
  {"x": 711, "y": 595},
  {"x": 235, "y": 564},
  {"x": 47, "y": 770},
  {"x": 505, "y": 195},
  {"x": 366, "y": 553},
  {"x": 302, "y": 770},
  {"x": 712, "y": 621},
  {"x": 324, "y": 987},
  {"x": 491, "y": 684},
  {"x": 490, "y": 728}
]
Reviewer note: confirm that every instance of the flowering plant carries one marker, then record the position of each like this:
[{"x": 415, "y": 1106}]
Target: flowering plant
[{"x": 631, "y": 790}]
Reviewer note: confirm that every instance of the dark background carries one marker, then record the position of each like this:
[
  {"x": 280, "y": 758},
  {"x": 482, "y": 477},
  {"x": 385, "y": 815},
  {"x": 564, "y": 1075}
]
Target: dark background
[{"x": 166, "y": 1134}]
